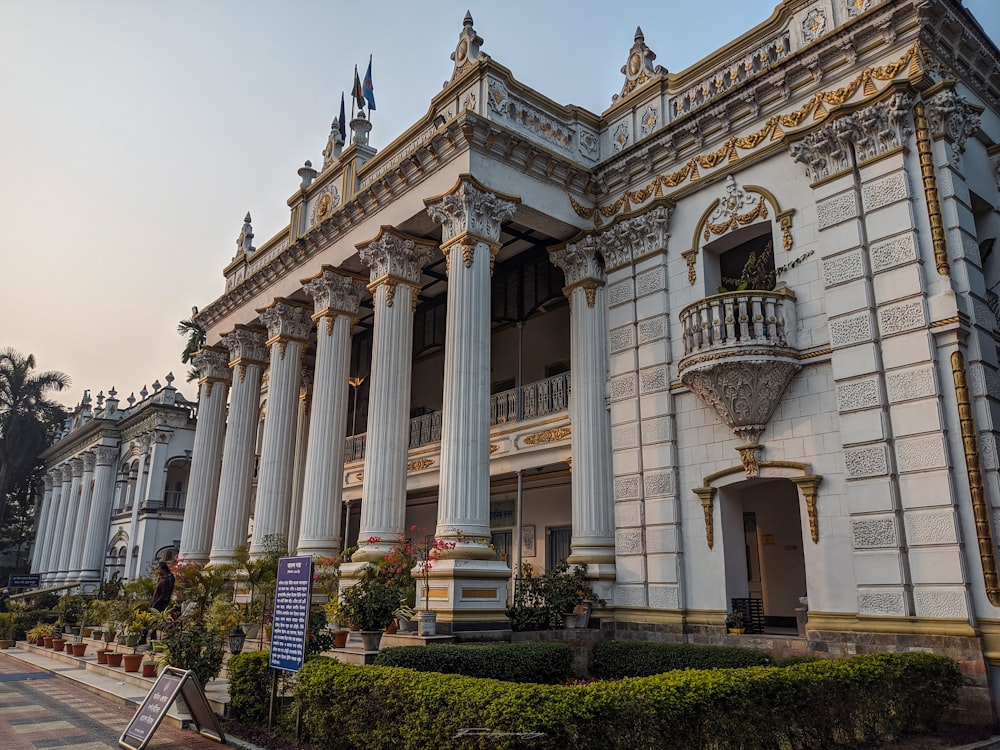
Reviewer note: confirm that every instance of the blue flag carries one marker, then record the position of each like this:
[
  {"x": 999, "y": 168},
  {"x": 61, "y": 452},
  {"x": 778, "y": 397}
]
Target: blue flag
[
  {"x": 342, "y": 122},
  {"x": 368, "y": 89}
]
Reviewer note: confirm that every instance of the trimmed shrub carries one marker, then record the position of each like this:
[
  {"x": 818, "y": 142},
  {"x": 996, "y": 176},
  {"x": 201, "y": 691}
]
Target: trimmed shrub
[
  {"x": 615, "y": 659},
  {"x": 249, "y": 687},
  {"x": 522, "y": 662},
  {"x": 845, "y": 703}
]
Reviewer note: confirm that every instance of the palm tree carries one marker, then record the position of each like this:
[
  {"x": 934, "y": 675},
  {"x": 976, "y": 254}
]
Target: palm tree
[
  {"x": 29, "y": 422},
  {"x": 195, "y": 340}
]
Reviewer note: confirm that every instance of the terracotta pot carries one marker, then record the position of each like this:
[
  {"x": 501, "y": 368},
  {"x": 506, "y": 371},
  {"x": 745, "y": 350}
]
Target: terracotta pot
[
  {"x": 132, "y": 662},
  {"x": 88, "y": 632},
  {"x": 340, "y": 638},
  {"x": 102, "y": 656},
  {"x": 47, "y": 641},
  {"x": 115, "y": 658},
  {"x": 148, "y": 670},
  {"x": 79, "y": 649},
  {"x": 58, "y": 644},
  {"x": 392, "y": 629}
]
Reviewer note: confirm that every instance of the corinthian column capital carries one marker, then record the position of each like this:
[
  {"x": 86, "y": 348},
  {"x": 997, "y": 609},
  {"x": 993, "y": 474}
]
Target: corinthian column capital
[
  {"x": 954, "y": 118},
  {"x": 212, "y": 363},
  {"x": 471, "y": 208},
  {"x": 334, "y": 293},
  {"x": 394, "y": 255},
  {"x": 76, "y": 468},
  {"x": 106, "y": 454},
  {"x": 89, "y": 459},
  {"x": 286, "y": 321},
  {"x": 246, "y": 345},
  {"x": 579, "y": 260}
]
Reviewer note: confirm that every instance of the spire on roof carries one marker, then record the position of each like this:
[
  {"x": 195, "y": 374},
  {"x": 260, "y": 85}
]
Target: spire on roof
[
  {"x": 639, "y": 67},
  {"x": 467, "y": 51}
]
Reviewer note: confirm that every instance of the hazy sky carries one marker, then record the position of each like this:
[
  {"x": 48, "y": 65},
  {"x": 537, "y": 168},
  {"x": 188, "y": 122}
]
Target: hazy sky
[{"x": 134, "y": 136}]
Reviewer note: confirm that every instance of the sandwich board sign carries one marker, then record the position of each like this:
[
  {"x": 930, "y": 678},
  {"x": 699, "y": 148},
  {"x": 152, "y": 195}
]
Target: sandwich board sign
[
  {"x": 171, "y": 683},
  {"x": 290, "y": 621}
]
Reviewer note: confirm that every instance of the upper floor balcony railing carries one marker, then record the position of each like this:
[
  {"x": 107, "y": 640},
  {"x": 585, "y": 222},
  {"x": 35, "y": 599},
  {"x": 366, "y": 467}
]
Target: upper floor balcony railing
[
  {"x": 527, "y": 402},
  {"x": 736, "y": 322}
]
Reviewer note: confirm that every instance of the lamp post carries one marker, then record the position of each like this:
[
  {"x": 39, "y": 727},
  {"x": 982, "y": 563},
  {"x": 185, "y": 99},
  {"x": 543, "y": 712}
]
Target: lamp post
[{"x": 236, "y": 639}]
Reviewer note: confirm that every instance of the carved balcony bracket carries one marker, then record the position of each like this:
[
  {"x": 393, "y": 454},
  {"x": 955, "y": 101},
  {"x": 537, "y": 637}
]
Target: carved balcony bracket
[{"x": 707, "y": 497}]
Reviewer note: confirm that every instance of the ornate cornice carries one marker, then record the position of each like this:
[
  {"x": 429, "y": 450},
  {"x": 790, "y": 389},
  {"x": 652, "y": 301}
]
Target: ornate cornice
[{"x": 775, "y": 128}]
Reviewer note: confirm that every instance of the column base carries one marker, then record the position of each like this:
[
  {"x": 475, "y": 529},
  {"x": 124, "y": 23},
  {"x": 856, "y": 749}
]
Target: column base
[{"x": 468, "y": 595}]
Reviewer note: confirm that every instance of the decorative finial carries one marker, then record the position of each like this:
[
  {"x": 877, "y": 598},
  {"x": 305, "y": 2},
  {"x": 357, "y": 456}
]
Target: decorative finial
[
  {"x": 170, "y": 379},
  {"x": 334, "y": 143},
  {"x": 131, "y": 398},
  {"x": 639, "y": 67},
  {"x": 244, "y": 243},
  {"x": 100, "y": 400},
  {"x": 112, "y": 393},
  {"x": 308, "y": 174},
  {"x": 156, "y": 386},
  {"x": 467, "y": 51},
  {"x": 361, "y": 128},
  {"x": 143, "y": 393}
]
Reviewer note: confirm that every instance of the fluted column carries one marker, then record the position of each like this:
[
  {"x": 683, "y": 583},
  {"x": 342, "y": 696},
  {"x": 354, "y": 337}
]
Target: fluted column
[
  {"x": 78, "y": 535},
  {"x": 301, "y": 445},
  {"x": 43, "y": 513},
  {"x": 64, "y": 534},
  {"x": 232, "y": 513},
  {"x": 95, "y": 548},
  {"x": 592, "y": 492},
  {"x": 336, "y": 299},
  {"x": 206, "y": 457},
  {"x": 395, "y": 261},
  {"x": 50, "y": 554},
  {"x": 470, "y": 219},
  {"x": 288, "y": 329}
]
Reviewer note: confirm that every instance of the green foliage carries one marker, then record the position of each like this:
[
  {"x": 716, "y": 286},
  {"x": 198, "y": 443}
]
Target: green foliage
[
  {"x": 249, "y": 687},
  {"x": 540, "y": 602},
  {"x": 522, "y": 662},
  {"x": 7, "y": 622},
  {"x": 759, "y": 273},
  {"x": 616, "y": 659},
  {"x": 71, "y": 608},
  {"x": 832, "y": 703},
  {"x": 371, "y": 603},
  {"x": 318, "y": 638},
  {"x": 193, "y": 644}
]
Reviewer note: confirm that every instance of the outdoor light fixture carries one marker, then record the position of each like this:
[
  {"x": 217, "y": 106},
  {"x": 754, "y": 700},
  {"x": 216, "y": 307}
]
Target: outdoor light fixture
[{"x": 236, "y": 639}]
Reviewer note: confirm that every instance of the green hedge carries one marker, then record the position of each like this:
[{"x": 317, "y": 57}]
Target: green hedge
[
  {"x": 846, "y": 703},
  {"x": 615, "y": 659},
  {"x": 521, "y": 662},
  {"x": 249, "y": 687}
]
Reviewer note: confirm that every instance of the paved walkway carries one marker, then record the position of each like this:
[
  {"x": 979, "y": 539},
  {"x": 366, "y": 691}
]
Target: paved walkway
[{"x": 37, "y": 711}]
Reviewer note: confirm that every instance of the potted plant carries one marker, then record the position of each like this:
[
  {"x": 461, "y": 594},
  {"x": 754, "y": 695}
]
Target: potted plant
[
  {"x": 7, "y": 621},
  {"x": 71, "y": 608},
  {"x": 370, "y": 605},
  {"x": 759, "y": 273},
  {"x": 149, "y": 664},
  {"x": 38, "y": 633},
  {"x": 734, "y": 623}
]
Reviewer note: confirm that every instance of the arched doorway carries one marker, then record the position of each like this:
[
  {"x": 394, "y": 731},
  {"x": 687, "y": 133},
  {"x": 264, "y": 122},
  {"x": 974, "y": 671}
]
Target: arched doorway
[{"x": 763, "y": 546}]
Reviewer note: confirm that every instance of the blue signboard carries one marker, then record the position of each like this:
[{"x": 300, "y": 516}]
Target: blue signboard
[
  {"x": 25, "y": 580},
  {"x": 290, "y": 622}
]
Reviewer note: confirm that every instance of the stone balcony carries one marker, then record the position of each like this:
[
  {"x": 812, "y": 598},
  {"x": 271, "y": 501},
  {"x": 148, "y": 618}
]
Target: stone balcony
[{"x": 739, "y": 356}]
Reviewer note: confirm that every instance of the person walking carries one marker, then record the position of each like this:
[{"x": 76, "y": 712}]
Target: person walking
[{"x": 164, "y": 589}]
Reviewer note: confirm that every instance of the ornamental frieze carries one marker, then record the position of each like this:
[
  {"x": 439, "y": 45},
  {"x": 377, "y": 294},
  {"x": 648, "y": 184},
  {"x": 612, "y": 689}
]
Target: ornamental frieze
[
  {"x": 774, "y": 129},
  {"x": 547, "y": 436}
]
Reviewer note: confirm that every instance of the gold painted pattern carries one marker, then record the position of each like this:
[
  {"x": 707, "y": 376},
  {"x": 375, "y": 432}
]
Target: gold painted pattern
[
  {"x": 772, "y": 130},
  {"x": 980, "y": 509},
  {"x": 547, "y": 436}
]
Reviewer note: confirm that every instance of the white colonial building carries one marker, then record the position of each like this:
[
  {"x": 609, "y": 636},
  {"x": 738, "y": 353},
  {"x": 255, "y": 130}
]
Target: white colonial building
[
  {"x": 115, "y": 488},
  {"x": 507, "y": 325}
]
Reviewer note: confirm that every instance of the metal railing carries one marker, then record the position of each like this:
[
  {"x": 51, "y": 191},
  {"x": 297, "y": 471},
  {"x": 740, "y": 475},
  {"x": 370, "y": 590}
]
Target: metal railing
[{"x": 527, "y": 402}]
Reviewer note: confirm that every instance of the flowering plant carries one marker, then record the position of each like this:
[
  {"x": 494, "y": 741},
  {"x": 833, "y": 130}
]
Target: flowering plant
[{"x": 425, "y": 553}]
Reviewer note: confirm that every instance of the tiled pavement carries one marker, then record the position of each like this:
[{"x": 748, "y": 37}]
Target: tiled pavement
[{"x": 38, "y": 711}]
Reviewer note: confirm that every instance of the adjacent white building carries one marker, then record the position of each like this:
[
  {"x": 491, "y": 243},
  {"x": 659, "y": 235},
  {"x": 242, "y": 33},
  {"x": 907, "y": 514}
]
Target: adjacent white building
[
  {"x": 507, "y": 326},
  {"x": 115, "y": 488}
]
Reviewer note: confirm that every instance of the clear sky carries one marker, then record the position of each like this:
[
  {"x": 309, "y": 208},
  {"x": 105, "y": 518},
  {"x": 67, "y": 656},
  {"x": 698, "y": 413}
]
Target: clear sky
[{"x": 135, "y": 135}]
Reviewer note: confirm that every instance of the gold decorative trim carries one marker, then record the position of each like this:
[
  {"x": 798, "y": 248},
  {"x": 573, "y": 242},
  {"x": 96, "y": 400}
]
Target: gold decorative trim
[
  {"x": 980, "y": 508},
  {"x": 944, "y": 322},
  {"x": 931, "y": 195},
  {"x": 494, "y": 448},
  {"x": 590, "y": 289},
  {"x": 547, "y": 436},
  {"x": 480, "y": 594},
  {"x": 817, "y": 353},
  {"x": 773, "y": 130},
  {"x": 419, "y": 464},
  {"x": 808, "y": 486},
  {"x": 690, "y": 256},
  {"x": 707, "y": 497}
]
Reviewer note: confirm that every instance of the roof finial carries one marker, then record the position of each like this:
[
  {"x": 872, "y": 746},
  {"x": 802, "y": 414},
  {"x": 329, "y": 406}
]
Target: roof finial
[
  {"x": 467, "y": 51},
  {"x": 244, "y": 243},
  {"x": 639, "y": 67}
]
